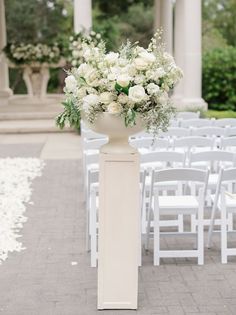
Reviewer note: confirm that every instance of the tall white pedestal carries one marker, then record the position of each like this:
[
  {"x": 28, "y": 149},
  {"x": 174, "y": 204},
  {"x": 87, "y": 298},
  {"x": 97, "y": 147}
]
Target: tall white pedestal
[{"x": 119, "y": 231}]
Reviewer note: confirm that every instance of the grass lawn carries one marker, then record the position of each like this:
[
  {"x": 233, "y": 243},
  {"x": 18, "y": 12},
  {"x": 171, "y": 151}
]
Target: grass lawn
[{"x": 220, "y": 114}]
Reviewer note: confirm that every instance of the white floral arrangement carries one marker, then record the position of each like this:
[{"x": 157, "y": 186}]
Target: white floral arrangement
[
  {"x": 134, "y": 81},
  {"x": 75, "y": 50},
  {"x": 30, "y": 53}
]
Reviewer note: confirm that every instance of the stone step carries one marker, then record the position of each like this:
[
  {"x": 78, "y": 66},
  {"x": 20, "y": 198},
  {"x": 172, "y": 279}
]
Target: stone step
[
  {"x": 30, "y": 126},
  {"x": 28, "y": 115}
]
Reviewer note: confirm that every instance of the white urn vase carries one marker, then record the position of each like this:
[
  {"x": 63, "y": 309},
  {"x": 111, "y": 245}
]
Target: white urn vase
[{"x": 113, "y": 125}]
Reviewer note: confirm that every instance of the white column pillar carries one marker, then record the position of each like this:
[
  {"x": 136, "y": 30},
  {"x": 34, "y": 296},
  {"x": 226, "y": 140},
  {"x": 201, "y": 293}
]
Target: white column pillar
[
  {"x": 5, "y": 91},
  {"x": 82, "y": 15},
  {"x": 164, "y": 18},
  {"x": 179, "y": 44},
  {"x": 188, "y": 38}
]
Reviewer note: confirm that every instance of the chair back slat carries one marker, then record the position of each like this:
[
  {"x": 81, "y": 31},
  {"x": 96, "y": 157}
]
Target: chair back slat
[
  {"x": 181, "y": 174},
  {"x": 224, "y": 122},
  {"x": 196, "y": 123}
]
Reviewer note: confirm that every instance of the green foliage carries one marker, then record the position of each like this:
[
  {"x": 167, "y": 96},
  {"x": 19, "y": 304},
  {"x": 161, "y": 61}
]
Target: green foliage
[
  {"x": 118, "y": 7},
  {"x": 116, "y": 28},
  {"x": 137, "y": 24},
  {"x": 130, "y": 118},
  {"x": 219, "y": 78},
  {"x": 220, "y": 114},
  {"x": 32, "y": 21},
  {"x": 71, "y": 114},
  {"x": 220, "y": 15}
]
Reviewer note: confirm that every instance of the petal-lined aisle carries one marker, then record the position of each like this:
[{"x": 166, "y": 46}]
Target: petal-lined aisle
[{"x": 16, "y": 176}]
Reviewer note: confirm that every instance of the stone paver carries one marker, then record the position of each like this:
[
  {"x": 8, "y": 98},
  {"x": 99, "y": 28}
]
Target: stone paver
[{"x": 42, "y": 280}]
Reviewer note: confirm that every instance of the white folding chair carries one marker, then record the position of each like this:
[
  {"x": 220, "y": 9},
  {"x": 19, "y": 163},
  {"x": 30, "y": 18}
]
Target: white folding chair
[
  {"x": 181, "y": 204},
  {"x": 175, "y": 132},
  {"x": 91, "y": 135},
  {"x": 159, "y": 144},
  {"x": 188, "y": 115},
  {"x": 146, "y": 142},
  {"x": 208, "y": 132},
  {"x": 228, "y": 144},
  {"x": 230, "y": 131},
  {"x": 193, "y": 143},
  {"x": 195, "y": 123},
  {"x": 174, "y": 123},
  {"x": 93, "y": 144},
  {"x": 224, "y": 122},
  {"x": 213, "y": 160},
  {"x": 225, "y": 202},
  {"x": 159, "y": 160}
]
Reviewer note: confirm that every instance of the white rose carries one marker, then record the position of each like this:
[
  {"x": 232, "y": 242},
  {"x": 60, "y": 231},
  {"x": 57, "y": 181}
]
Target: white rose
[
  {"x": 80, "y": 93},
  {"x": 70, "y": 84},
  {"x": 152, "y": 88},
  {"x": 83, "y": 68},
  {"x": 90, "y": 100},
  {"x": 123, "y": 80},
  {"x": 74, "y": 63},
  {"x": 106, "y": 98},
  {"x": 140, "y": 63},
  {"x": 114, "y": 108},
  {"x": 137, "y": 93},
  {"x": 148, "y": 57},
  {"x": 91, "y": 77},
  {"x": 111, "y": 58},
  {"x": 123, "y": 98}
]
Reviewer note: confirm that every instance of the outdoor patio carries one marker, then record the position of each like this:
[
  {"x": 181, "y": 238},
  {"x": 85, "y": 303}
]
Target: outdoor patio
[
  {"x": 117, "y": 157},
  {"x": 53, "y": 275}
]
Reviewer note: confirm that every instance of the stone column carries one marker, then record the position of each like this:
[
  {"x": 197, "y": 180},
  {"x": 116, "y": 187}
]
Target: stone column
[
  {"x": 188, "y": 52},
  {"x": 164, "y": 18},
  {"x": 179, "y": 44},
  {"x": 82, "y": 15},
  {"x": 5, "y": 91}
]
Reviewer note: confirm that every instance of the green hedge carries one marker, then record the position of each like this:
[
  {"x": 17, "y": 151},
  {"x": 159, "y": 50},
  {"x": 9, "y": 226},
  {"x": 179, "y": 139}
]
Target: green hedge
[{"x": 219, "y": 78}]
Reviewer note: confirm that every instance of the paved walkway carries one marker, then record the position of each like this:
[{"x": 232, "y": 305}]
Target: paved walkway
[{"x": 52, "y": 276}]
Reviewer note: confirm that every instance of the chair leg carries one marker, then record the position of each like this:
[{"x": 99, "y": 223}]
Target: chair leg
[
  {"x": 230, "y": 222},
  {"x": 87, "y": 239},
  {"x": 156, "y": 250},
  {"x": 200, "y": 235},
  {"x": 223, "y": 236},
  {"x": 211, "y": 226},
  {"x": 180, "y": 223},
  {"x": 148, "y": 228},
  {"x": 193, "y": 223}
]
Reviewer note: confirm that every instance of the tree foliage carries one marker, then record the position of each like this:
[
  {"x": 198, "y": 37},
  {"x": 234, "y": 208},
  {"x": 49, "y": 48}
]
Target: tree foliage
[
  {"x": 219, "y": 78},
  {"x": 34, "y": 21},
  {"x": 118, "y": 7},
  {"x": 221, "y": 16}
]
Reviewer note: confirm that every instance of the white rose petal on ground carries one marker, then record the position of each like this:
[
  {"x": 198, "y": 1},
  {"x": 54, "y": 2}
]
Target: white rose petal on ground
[{"x": 16, "y": 176}]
